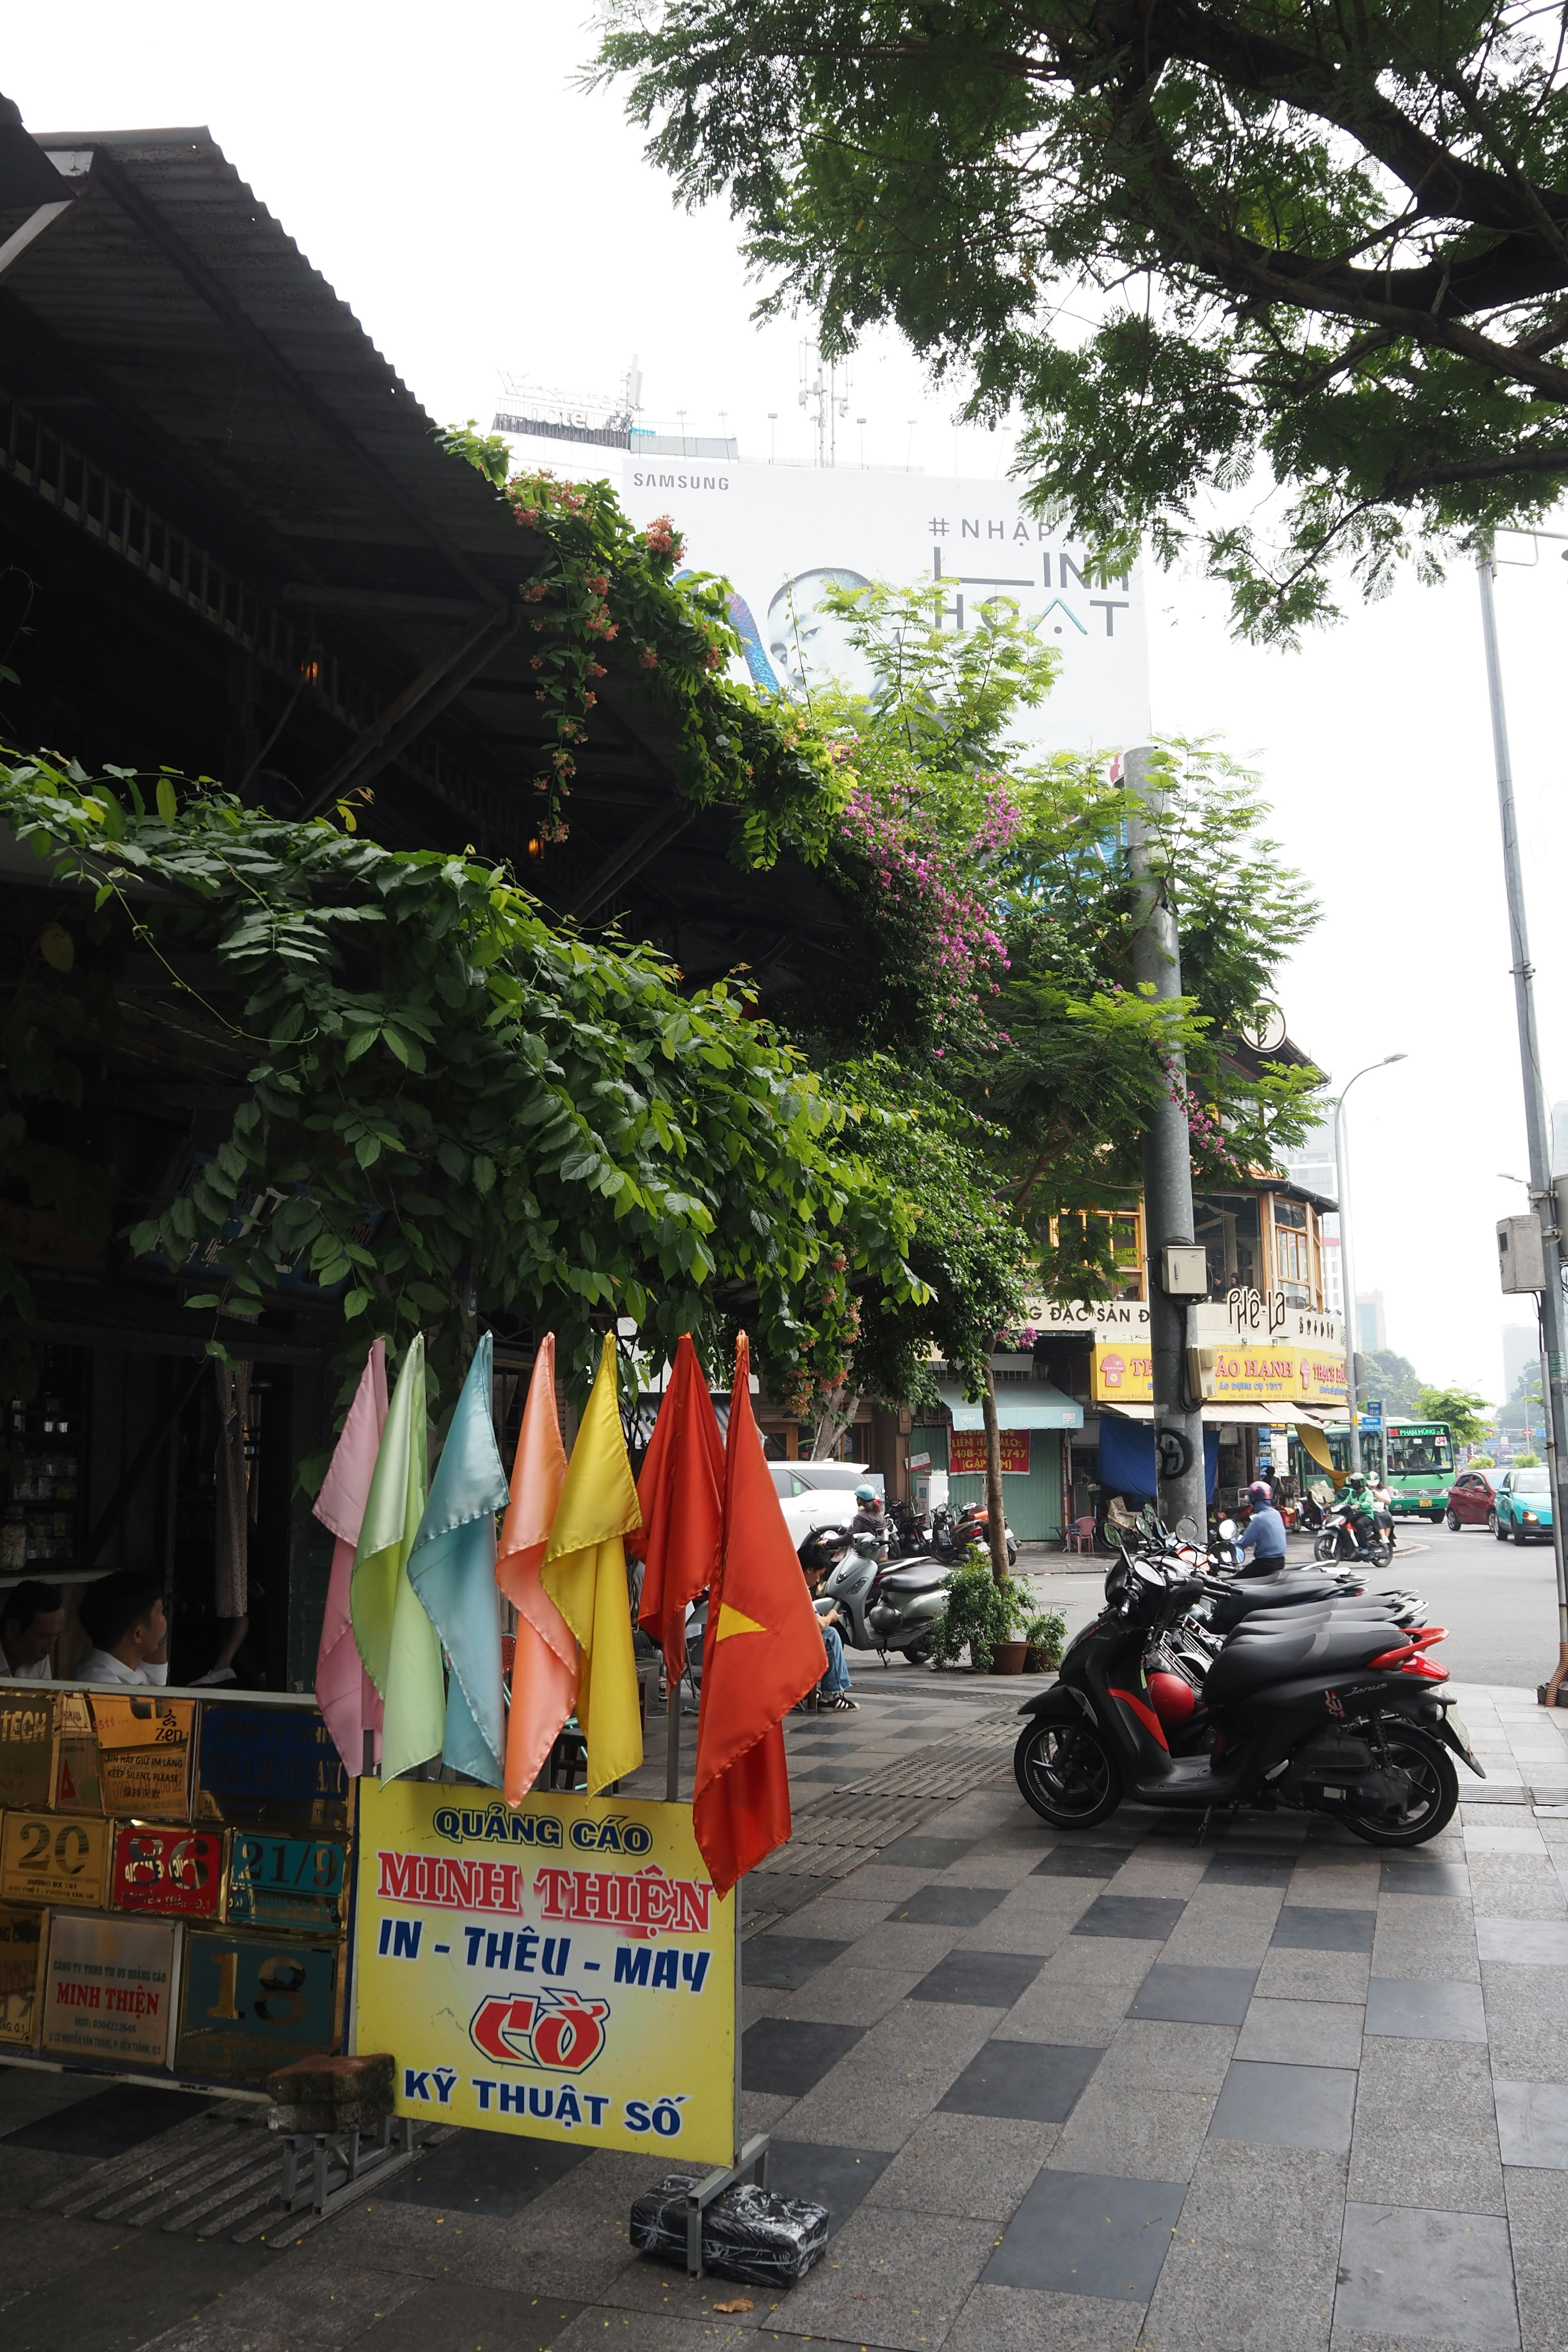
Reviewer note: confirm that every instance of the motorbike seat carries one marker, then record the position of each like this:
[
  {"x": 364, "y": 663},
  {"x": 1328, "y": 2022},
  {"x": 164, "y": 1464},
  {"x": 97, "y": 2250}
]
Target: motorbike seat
[
  {"x": 1243, "y": 1667},
  {"x": 1246, "y": 1597},
  {"x": 1269, "y": 1623},
  {"x": 915, "y": 1575}
]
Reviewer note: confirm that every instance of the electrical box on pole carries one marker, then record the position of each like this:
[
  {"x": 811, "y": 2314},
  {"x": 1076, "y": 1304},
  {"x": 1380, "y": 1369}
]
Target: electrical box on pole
[{"x": 1521, "y": 1260}]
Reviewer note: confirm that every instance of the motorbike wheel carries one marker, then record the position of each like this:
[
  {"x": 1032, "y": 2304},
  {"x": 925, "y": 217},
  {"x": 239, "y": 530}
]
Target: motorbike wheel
[
  {"x": 1066, "y": 1774},
  {"x": 1433, "y": 1798},
  {"x": 1381, "y": 1554},
  {"x": 1326, "y": 1547},
  {"x": 919, "y": 1654},
  {"x": 1012, "y": 1553}
]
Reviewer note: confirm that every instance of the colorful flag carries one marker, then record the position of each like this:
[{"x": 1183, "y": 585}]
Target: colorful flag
[
  {"x": 395, "y": 1637},
  {"x": 544, "y": 1659},
  {"x": 344, "y": 1692},
  {"x": 763, "y": 1651},
  {"x": 584, "y": 1574},
  {"x": 681, "y": 1492},
  {"x": 452, "y": 1567}
]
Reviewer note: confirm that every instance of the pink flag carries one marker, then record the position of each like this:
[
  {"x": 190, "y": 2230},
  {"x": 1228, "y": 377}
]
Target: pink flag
[
  {"x": 544, "y": 1662},
  {"x": 344, "y": 1692}
]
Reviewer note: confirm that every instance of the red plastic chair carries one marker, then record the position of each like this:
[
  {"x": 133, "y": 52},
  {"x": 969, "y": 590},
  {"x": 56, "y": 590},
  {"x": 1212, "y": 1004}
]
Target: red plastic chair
[{"x": 1078, "y": 1535}]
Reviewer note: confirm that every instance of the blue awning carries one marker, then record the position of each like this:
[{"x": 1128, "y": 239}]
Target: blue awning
[{"x": 1039, "y": 1406}]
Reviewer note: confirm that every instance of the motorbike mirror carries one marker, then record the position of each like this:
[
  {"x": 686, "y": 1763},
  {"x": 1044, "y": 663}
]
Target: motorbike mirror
[{"x": 1227, "y": 1530}]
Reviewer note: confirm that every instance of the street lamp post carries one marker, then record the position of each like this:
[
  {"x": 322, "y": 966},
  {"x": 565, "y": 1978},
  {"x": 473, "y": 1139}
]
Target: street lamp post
[{"x": 1347, "y": 1269}]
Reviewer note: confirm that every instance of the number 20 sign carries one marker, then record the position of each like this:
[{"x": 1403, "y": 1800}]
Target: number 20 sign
[{"x": 249, "y": 2005}]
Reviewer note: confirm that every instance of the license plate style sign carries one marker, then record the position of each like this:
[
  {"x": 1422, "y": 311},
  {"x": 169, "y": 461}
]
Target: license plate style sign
[
  {"x": 171, "y": 1871},
  {"x": 286, "y": 1882},
  {"x": 21, "y": 1956},
  {"x": 249, "y": 2006},
  {"x": 108, "y": 1989},
  {"x": 43, "y": 1859},
  {"x": 27, "y": 1750},
  {"x": 145, "y": 1755},
  {"x": 258, "y": 1764}
]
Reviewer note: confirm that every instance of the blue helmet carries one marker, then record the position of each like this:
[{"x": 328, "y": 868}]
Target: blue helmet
[{"x": 866, "y": 1495}]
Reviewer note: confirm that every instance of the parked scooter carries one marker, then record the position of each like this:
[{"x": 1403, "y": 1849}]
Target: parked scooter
[
  {"x": 882, "y": 1604},
  {"x": 953, "y": 1538},
  {"x": 1339, "y": 1718}
]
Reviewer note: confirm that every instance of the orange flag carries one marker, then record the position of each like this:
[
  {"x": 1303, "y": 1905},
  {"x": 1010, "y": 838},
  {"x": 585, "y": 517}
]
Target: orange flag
[
  {"x": 682, "y": 1493},
  {"x": 544, "y": 1662},
  {"x": 763, "y": 1651}
]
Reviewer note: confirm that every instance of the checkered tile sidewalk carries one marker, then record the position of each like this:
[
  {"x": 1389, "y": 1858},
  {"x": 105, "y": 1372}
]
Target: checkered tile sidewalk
[{"x": 1099, "y": 2093}]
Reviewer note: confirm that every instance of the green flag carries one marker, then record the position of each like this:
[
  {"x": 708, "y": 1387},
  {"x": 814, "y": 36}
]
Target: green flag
[{"x": 401, "y": 1648}]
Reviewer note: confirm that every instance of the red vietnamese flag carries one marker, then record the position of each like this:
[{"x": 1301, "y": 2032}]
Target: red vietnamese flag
[
  {"x": 763, "y": 1651},
  {"x": 682, "y": 1493}
]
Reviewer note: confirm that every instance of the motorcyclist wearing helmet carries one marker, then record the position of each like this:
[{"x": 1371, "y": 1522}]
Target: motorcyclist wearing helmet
[
  {"x": 1362, "y": 1508},
  {"x": 868, "y": 1513},
  {"x": 1263, "y": 1534}
]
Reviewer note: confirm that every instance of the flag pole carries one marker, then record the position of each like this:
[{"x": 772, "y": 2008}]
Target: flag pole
[{"x": 672, "y": 1743}]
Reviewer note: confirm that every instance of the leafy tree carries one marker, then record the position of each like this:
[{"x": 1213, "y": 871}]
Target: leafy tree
[
  {"x": 1391, "y": 1380},
  {"x": 1335, "y": 236},
  {"x": 433, "y": 1101},
  {"x": 1468, "y": 1416}
]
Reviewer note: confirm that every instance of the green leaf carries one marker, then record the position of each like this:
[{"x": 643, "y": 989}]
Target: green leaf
[
  {"x": 168, "y": 806},
  {"x": 484, "y": 1172}
]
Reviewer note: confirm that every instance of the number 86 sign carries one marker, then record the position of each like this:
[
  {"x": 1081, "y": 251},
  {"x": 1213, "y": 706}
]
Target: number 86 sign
[{"x": 249, "y": 2005}]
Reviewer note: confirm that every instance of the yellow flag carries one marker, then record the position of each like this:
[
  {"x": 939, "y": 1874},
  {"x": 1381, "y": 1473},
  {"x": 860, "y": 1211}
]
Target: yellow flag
[{"x": 584, "y": 1574}]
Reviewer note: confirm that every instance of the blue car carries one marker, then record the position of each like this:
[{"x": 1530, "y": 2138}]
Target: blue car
[{"x": 1523, "y": 1507}]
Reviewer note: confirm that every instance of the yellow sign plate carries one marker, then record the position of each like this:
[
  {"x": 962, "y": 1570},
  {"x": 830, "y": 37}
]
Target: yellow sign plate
[
  {"x": 562, "y": 1972},
  {"x": 22, "y": 1935},
  {"x": 109, "y": 1993},
  {"x": 27, "y": 1747},
  {"x": 43, "y": 1859},
  {"x": 144, "y": 1756}
]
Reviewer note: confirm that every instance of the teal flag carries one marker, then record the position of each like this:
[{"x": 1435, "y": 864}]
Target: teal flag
[{"x": 452, "y": 1567}]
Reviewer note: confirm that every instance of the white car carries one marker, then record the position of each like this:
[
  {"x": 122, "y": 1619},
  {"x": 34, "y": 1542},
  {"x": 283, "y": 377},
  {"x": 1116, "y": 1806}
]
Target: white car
[{"x": 819, "y": 1494}]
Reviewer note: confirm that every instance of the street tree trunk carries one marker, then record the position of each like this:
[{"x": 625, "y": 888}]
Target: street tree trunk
[
  {"x": 839, "y": 1407},
  {"x": 998, "y": 1527}
]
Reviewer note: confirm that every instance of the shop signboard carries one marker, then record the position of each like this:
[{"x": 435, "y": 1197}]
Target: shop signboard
[
  {"x": 145, "y": 1755},
  {"x": 22, "y": 1934},
  {"x": 108, "y": 1989},
  {"x": 267, "y": 1764},
  {"x": 284, "y": 1882},
  {"x": 43, "y": 1859},
  {"x": 1121, "y": 1373},
  {"x": 249, "y": 2005},
  {"x": 26, "y": 1749},
  {"x": 178, "y": 1872},
  {"x": 76, "y": 1786},
  {"x": 966, "y": 1453},
  {"x": 565, "y": 1972}
]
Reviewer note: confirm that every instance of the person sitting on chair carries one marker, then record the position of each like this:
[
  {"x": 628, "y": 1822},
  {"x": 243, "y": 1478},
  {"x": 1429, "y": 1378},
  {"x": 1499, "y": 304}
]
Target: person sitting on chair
[{"x": 122, "y": 1616}]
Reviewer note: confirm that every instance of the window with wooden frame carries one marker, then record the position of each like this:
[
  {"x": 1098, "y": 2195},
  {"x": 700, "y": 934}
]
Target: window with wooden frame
[{"x": 1293, "y": 1251}]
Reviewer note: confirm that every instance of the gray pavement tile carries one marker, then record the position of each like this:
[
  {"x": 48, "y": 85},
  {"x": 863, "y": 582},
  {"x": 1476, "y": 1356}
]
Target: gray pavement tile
[
  {"x": 1027, "y": 2319},
  {"x": 1265, "y": 2198},
  {"x": 942, "y": 1906},
  {"x": 139, "y": 2287},
  {"x": 892, "y": 2278},
  {"x": 1289, "y": 2106},
  {"x": 1068, "y": 2012},
  {"x": 894, "y": 1887},
  {"x": 1033, "y": 2081},
  {"x": 1159, "y": 2055},
  {"x": 979, "y": 1978},
  {"x": 1314, "y": 1976},
  {"x": 1082, "y": 1861},
  {"x": 979, "y": 2165},
  {"x": 1100, "y": 1961},
  {"x": 792, "y": 2054},
  {"x": 1120, "y": 2128},
  {"x": 1019, "y": 1926},
  {"x": 1533, "y": 2125},
  {"x": 846, "y": 1995},
  {"x": 1086, "y": 2234},
  {"x": 1146, "y": 1871},
  {"x": 918, "y": 1851},
  {"x": 992, "y": 1866},
  {"x": 451, "y": 2314},
  {"x": 1143, "y": 1917},
  {"x": 1523, "y": 1943},
  {"x": 1540, "y": 2286},
  {"x": 1198, "y": 1996},
  {"x": 484, "y": 2172},
  {"x": 1228, "y": 1929},
  {"x": 1442, "y": 2156},
  {"x": 1213, "y": 2296},
  {"x": 108, "y": 2124},
  {"x": 834, "y": 1918},
  {"x": 1237, "y": 1869},
  {"x": 1409, "y": 1875},
  {"x": 1441, "y": 1953},
  {"x": 1313, "y": 1928},
  {"x": 1422, "y": 2010},
  {"x": 1334, "y": 1879},
  {"x": 1527, "y": 2022},
  {"x": 759, "y": 2000},
  {"x": 786, "y": 1962},
  {"x": 1406, "y": 2273},
  {"x": 1517, "y": 1888},
  {"x": 304, "y": 2306},
  {"x": 900, "y": 1946},
  {"x": 838, "y": 2178},
  {"x": 1537, "y": 2206},
  {"x": 761, "y": 2110},
  {"x": 1302, "y": 2033},
  {"x": 662, "y": 2330}
]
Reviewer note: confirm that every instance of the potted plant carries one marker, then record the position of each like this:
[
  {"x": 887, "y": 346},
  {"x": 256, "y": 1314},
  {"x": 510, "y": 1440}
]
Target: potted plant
[
  {"x": 983, "y": 1618},
  {"x": 1044, "y": 1637}
]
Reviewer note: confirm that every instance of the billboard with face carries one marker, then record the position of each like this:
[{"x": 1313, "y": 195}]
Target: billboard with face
[{"x": 781, "y": 534}]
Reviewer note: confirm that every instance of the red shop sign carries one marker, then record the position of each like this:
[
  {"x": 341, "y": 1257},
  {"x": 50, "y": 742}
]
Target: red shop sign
[{"x": 168, "y": 1870}]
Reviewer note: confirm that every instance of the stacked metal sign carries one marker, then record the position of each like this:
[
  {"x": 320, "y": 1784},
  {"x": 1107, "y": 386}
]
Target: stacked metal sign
[{"x": 174, "y": 1879}]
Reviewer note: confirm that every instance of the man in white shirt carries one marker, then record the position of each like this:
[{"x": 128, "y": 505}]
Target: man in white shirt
[
  {"x": 122, "y": 1616},
  {"x": 32, "y": 1619}
]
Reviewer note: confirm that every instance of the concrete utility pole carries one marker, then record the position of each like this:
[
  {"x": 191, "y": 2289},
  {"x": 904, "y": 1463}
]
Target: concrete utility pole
[
  {"x": 1167, "y": 1174},
  {"x": 1347, "y": 1265},
  {"x": 1543, "y": 1197}
]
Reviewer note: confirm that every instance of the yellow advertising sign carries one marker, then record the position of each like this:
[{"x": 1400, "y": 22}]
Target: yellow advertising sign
[
  {"x": 43, "y": 1859},
  {"x": 562, "y": 1972},
  {"x": 1123, "y": 1370},
  {"x": 144, "y": 1756},
  {"x": 27, "y": 1747},
  {"x": 108, "y": 1991}
]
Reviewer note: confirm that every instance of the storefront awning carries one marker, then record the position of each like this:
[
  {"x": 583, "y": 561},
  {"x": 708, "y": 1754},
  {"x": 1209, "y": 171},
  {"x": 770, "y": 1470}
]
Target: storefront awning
[
  {"x": 1216, "y": 1415},
  {"x": 1041, "y": 1406}
]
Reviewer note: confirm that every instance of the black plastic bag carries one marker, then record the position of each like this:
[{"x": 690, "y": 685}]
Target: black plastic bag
[{"x": 748, "y": 2233}]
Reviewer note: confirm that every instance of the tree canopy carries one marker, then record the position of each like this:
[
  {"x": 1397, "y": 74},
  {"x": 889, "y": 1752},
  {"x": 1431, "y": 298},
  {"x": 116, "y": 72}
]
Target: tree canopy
[
  {"x": 1468, "y": 1416},
  {"x": 428, "y": 1100},
  {"x": 1175, "y": 238}
]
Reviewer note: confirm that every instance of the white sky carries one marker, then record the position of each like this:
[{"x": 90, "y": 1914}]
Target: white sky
[{"x": 479, "y": 215}]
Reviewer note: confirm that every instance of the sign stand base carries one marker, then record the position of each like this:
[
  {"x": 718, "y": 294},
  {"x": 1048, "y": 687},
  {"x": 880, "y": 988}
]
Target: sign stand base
[
  {"x": 338, "y": 2167},
  {"x": 752, "y": 2159}
]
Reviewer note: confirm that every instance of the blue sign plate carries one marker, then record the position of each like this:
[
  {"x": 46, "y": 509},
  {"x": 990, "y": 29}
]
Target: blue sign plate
[
  {"x": 287, "y": 1883},
  {"x": 248, "y": 2006},
  {"x": 269, "y": 1764}
]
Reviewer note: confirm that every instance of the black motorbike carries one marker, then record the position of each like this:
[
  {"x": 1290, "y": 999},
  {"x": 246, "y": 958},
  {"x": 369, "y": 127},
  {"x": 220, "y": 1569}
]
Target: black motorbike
[
  {"x": 952, "y": 1537},
  {"x": 1332, "y": 1712},
  {"x": 1348, "y": 1535}
]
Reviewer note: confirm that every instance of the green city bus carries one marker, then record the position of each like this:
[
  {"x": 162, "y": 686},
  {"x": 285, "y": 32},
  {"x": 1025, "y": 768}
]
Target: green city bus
[{"x": 1414, "y": 1459}]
